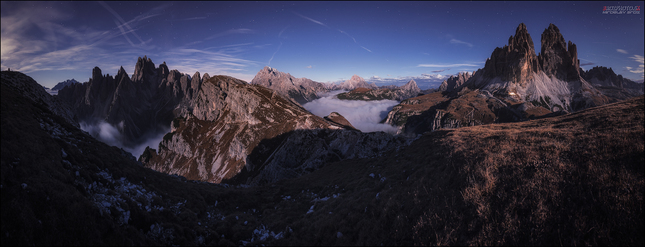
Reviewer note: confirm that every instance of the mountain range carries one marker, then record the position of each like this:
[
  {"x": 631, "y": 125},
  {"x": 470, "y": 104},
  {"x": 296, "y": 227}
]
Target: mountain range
[
  {"x": 515, "y": 85},
  {"x": 570, "y": 179},
  {"x": 391, "y": 92}
]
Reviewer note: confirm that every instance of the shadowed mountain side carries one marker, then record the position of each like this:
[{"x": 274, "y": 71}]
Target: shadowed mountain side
[
  {"x": 459, "y": 109},
  {"x": 142, "y": 104},
  {"x": 300, "y": 152}
]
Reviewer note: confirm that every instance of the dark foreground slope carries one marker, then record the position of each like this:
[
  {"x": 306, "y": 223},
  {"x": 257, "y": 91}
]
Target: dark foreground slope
[{"x": 576, "y": 179}]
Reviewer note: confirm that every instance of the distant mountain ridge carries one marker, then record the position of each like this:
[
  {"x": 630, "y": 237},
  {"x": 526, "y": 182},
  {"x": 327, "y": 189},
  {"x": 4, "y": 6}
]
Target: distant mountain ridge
[
  {"x": 391, "y": 92},
  {"x": 302, "y": 90},
  {"x": 65, "y": 83}
]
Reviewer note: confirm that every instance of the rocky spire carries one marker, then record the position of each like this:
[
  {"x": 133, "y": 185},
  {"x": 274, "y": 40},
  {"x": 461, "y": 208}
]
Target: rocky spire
[
  {"x": 144, "y": 68},
  {"x": 96, "y": 74},
  {"x": 555, "y": 59},
  {"x": 516, "y": 61}
]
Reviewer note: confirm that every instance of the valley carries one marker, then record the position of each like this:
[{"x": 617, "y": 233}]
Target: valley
[{"x": 530, "y": 149}]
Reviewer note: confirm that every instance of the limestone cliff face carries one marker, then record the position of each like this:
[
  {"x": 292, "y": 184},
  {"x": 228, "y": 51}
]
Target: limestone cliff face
[
  {"x": 515, "y": 73},
  {"x": 556, "y": 59},
  {"x": 516, "y": 61},
  {"x": 141, "y": 104},
  {"x": 302, "y": 90}
]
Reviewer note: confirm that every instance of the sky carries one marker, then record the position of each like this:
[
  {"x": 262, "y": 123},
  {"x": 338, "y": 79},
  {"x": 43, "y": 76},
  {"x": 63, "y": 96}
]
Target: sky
[{"x": 383, "y": 42}]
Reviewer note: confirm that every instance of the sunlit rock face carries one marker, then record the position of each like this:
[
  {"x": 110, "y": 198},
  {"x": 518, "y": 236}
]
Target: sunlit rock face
[
  {"x": 354, "y": 83},
  {"x": 301, "y": 90}
]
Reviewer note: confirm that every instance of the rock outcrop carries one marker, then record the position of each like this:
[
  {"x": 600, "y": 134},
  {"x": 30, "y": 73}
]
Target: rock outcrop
[
  {"x": 455, "y": 81},
  {"x": 336, "y": 118},
  {"x": 611, "y": 84},
  {"x": 301, "y": 90}
]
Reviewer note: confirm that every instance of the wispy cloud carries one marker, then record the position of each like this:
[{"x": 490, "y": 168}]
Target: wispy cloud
[
  {"x": 439, "y": 71},
  {"x": 276, "y": 51},
  {"x": 456, "y": 41},
  {"x": 637, "y": 58},
  {"x": 641, "y": 67},
  {"x": 312, "y": 20},
  {"x": 621, "y": 51},
  {"x": 446, "y": 65},
  {"x": 282, "y": 31},
  {"x": 123, "y": 25},
  {"x": 343, "y": 32},
  {"x": 309, "y": 67},
  {"x": 366, "y": 49},
  {"x": 587, "y": 64}
]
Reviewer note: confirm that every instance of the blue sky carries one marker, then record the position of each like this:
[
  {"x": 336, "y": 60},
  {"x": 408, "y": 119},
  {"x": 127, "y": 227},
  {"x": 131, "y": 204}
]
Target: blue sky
[{"x": 384, "y": 42}]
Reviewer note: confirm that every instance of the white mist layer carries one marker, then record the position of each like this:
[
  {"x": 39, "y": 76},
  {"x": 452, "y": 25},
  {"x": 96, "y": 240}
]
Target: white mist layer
[
  {"x": 364, "y": 115},
  {"x": 111, "y": 135}
]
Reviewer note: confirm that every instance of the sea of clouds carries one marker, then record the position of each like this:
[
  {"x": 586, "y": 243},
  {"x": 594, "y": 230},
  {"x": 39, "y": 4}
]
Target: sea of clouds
[{"x": 364, "y": 115}]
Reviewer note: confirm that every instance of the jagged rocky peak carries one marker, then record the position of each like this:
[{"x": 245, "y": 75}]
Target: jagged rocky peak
[
  {"x": 144, "y": 67},
  {"x": 522, "y": 41},
  {"x": 516, "y": 61},
  {"x": 301, "y": 90},
  {"x": 97, "y": 75},
  {"x": 63, "y": 84},
  {"x": 455, "y": 81},
  {"x": 555, "y": 58},
  {"x": 354, "y": 83},
  {"x": 411, "y": 86}
]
